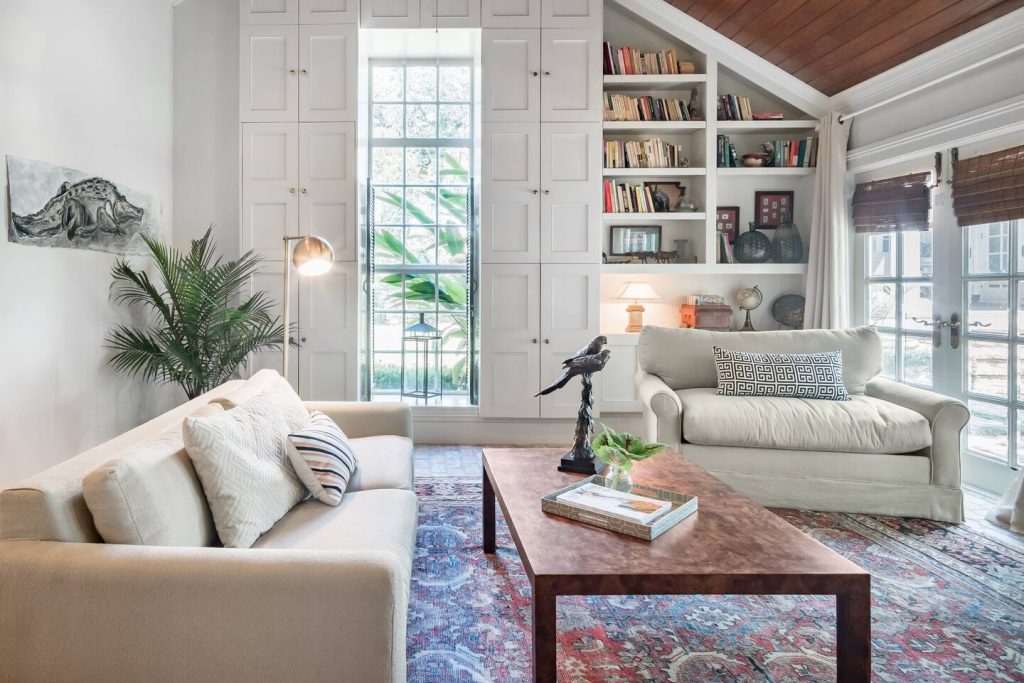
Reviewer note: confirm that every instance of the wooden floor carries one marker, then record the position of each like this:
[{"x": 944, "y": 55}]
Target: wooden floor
[{"x": 464, "y": 461}]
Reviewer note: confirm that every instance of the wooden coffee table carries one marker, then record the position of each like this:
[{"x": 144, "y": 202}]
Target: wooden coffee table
[{"x": 731, "y": 546}]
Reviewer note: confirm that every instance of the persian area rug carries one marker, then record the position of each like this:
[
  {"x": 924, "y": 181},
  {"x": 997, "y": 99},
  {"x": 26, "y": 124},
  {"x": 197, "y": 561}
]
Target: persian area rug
[{"x": 947, "y": 605}]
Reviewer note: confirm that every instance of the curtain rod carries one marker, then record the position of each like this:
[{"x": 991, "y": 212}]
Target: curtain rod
[{"x": 935, "y": 81}]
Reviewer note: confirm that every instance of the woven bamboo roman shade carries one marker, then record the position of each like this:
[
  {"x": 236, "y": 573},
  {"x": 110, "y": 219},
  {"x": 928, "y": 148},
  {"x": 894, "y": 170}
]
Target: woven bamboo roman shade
[
  {"x": 989, "y": 188},
  {"x": 900, "y": 203}
]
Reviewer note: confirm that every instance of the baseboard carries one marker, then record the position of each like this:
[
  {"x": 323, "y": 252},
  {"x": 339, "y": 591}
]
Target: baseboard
[{"x": 473, "y": 430}]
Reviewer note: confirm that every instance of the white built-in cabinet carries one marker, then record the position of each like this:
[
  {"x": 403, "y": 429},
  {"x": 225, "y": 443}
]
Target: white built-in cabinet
[
  {"x": 540, "y": 216},
  {"x": 420, "y": 13},
  {"x": 298, "y": 102},
  {"x": 582, "y": 14}
]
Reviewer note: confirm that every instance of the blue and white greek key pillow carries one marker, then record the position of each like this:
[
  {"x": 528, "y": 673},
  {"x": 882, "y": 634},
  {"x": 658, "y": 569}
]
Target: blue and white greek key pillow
[{"x": 788, "y": 375}]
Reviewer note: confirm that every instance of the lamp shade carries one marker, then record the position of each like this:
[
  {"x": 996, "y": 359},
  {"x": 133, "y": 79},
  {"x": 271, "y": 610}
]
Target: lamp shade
[
  {"x": 313, "y": 255},
  {"x": 638, "y": 291}
]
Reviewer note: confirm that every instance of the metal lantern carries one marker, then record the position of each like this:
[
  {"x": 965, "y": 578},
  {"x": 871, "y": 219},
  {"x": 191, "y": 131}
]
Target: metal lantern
[{"x": 422, "y": 335}]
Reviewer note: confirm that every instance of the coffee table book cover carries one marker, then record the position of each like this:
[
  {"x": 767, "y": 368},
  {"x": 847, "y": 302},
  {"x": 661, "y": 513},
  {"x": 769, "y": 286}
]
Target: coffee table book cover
[{"x": 682, "y": 506}]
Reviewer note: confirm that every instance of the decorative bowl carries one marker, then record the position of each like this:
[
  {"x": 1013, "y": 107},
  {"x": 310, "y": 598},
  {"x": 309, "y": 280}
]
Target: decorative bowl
[{"x": 753, "y": 160}]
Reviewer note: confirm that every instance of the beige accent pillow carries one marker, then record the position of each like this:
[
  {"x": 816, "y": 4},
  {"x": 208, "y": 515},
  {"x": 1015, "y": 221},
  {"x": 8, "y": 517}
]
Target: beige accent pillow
[
  {"x": 270, "y": 382},
  {"x": 150, "y": 495},
  {"x": 241, "y": 458}
]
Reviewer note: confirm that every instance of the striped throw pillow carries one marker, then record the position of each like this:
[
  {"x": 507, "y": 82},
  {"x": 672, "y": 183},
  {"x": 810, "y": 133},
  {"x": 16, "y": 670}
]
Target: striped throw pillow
[{"x": 323, "y": 458}]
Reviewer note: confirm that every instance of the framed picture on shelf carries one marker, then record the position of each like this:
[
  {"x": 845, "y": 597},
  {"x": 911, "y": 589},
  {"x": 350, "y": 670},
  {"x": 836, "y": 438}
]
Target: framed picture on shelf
[
  {"x": 770, "y": 206},
  {"x": 634, "y": 239},
  {"x": 727, "y": 220}
]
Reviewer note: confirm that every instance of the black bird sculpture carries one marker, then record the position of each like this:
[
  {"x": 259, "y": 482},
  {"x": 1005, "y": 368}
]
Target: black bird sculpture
[{"x": 584, "y": 363}]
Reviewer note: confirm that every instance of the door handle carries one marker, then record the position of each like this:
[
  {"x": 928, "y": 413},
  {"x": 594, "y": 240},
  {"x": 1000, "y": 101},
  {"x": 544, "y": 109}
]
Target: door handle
[{"x": 954, "y": 330}]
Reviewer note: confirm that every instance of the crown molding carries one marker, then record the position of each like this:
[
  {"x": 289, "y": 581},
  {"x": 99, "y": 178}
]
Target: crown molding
[
  {"x": 984, "y": 41},
  {"x": 729, "y": 53},
  {"x": 995, "y": 120}
]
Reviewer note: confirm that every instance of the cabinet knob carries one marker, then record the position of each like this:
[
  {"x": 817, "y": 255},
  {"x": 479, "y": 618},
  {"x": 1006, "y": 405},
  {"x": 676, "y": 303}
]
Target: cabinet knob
[
  {"x": 535, "y": 73},
  {"x": 303, "y": 340},
  {"x": 303, "y": 72},
  {"x": 547, "y": 73},
  {"x": 291, "y": 190},
  {"x": 291, "y": 72},
  {"x": 535, "y": 191},
  {"x": 303, "y": 190},
  {"x": 546, "y": 341},
  {"x": 534, "y": 340},
  {"x": 547, "y": 191}
]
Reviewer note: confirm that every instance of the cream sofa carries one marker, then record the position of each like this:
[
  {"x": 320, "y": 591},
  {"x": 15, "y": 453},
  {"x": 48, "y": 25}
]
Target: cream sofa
[
  {"x": 892, "y": 449},
  {"x": 322, "y": 596}
]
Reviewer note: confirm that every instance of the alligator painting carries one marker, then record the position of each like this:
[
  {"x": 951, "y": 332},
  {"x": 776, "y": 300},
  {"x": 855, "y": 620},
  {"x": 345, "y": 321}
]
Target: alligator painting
[{"x": 77, "y": 211}]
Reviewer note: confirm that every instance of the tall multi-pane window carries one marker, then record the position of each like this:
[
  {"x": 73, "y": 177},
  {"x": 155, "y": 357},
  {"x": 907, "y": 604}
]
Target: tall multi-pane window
[
  {"x": 994, "y": 339},
  {"x": 899, "y": 302},
  {"x": 420, "y": 154}
]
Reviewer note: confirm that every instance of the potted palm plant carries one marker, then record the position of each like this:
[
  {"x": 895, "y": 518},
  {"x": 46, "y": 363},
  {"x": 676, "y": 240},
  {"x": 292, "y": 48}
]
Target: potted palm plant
[{"x": 202, "y": 326}]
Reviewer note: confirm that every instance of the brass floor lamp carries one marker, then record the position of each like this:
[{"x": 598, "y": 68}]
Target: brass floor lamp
[{"x": 312, "y": 256}]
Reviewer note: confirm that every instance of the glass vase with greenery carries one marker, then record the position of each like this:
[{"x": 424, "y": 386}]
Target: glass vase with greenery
[
  {"x": 620, "y": 451},
  {"x": 202, "y": 327}
]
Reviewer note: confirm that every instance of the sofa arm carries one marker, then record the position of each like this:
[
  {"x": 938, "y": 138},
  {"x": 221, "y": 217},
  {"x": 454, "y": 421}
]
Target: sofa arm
[
  {"x": 947, "y": 417},
  {"x": 89, "y": 611},
  {"x": 662, "y": 410},
  {"x": 359, "y": 419}
]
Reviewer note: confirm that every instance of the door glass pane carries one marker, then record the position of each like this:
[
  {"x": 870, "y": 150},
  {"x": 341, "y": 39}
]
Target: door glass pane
[
  {"x": 888, "y": 355},
  {"x": 917, "y": 360},
  {"x": 988, "y": 431},
  {"x": 1020, "y": 308},
  {"x": 988, "y": 307},
  {"x": 882, "y": 254},
  {"x": 917, "y": 254},
  {"x": 988, "y": 365},
  {"x": 988, "y": 249},
  {"x": 882, "y": 304},
  {"x": 917, "y": 307}
]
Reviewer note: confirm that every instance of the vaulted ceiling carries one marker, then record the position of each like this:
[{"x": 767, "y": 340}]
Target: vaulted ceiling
[{"x": 834, "y": 44}]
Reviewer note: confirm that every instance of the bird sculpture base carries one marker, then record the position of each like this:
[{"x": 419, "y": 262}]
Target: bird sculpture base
[{"x": 570, "y": 463}]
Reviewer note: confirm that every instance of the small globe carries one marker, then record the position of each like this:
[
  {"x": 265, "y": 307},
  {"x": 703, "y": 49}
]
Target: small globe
[{"x": 749, "y": 298}]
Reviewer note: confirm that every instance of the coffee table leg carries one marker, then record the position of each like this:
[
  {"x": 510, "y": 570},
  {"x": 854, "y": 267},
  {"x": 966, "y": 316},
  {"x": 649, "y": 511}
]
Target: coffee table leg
[
  {"x": 853, "y": 635},
  {"x": 489, "y": 545},
  {"x": 545, "y": 645}
]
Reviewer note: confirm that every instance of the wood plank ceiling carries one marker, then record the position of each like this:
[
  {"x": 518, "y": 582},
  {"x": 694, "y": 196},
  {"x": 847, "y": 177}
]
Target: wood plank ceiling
[{"x": 834, "y": 44}]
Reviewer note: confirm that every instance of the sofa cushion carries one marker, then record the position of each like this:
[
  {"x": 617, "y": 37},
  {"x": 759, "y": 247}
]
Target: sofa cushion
[
  {"x": 322, "y": 457},
  {"x": 684, "y": 358},
  {"x": 860, "y": 425},
  {"x": 150, "y": 495},
  {"x": 50, "y": 506},
  {"x": 385, "y": 462},
  {"x": 383, "y": 520},
  {"x": 241, "y": 458},
  {"x": 270, "y": 382}
]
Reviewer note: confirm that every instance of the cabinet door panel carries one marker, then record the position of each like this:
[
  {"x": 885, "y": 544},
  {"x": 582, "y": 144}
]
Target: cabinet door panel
[
  {"x": 572, "y": 14},
  {"x": 327, "y": 205},
  {"x": 328, "y": 11},
  {"x": 450, "y": 13},
  {"x": 268, "y": 12},
  {"x": 510, "y": 216},
  {"x": 269, "y": 89},
  {"x": 328, "y": 333},
  {"x": 270, "y": 203},
  {"x": 509, "y": 348},
  {"x": 571, "y": 83},
  {"x": 511, "y": 81},
  {"x": 570, "y": 314},
  {"x": 389, "y": 13},
  {"x": 327, "y": 68},
  {"x": 570, "y": 223},
  {"x": 270, "y": 279},
  {"x": 511, "y": 13},
  {"x": 618, "y": 385}
]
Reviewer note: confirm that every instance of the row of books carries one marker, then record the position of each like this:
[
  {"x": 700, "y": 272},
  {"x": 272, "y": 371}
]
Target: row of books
[
  {"x": 627, "y": 61},
  {"x": 725, "y": 253},
  {"x": 792, "y": 153},
  {"x": 626, "y": 108},
  {"x": 734, "y": 108},
  {"x": 627, "y": 198},
  {"x": 703, "y": 299},
  {"x": 650, "y": 153}
]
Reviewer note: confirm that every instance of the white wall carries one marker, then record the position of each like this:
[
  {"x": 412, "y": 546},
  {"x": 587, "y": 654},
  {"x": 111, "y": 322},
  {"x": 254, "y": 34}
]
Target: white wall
[
  {"x": 206, "y": 159},
  {"x": 85, "y": 85}
]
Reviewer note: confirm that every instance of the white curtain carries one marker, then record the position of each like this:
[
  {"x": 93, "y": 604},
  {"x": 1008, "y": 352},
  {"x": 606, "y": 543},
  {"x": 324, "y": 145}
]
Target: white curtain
[
  {"x": 1009, "y": 512},
  {"x": 828, "y": 268}
]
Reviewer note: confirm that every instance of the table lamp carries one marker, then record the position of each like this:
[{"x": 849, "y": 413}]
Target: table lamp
[
  {"x": 311, "y": 256},
  {"x": 637, "y": 292}
]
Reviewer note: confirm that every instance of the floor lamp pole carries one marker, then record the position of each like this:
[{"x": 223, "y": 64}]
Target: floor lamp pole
[{"x": 287, "y": 305}]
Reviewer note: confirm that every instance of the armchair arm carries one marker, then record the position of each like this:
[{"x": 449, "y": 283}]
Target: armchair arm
[
  {"x": 91, "y": 611},
  {"x": 359, "y": 419},
  {"x": 947, "y": 417},
  {"x": 662, "y": 410}
]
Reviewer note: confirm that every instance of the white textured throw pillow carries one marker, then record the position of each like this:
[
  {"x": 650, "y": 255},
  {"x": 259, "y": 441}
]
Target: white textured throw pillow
[
  {"x": 323, "y": 458},
  {"x": 241, "y": 458},
  {"x": 787, "y": 375}
]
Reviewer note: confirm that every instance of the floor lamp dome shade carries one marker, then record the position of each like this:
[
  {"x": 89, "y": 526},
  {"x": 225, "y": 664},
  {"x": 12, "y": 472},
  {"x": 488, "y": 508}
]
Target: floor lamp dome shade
[{"x": 313, "y": 255}]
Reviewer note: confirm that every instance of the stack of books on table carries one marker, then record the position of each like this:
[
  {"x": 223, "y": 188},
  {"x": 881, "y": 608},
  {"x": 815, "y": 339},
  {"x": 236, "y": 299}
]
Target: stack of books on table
[
  {"x": 650, "y": 153},
  {"x": 624, "y": 506},
  {"x": 647, "y": 108},
  {"x": 705, "y": 312},
  {"x": 626, "y": 61}
]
